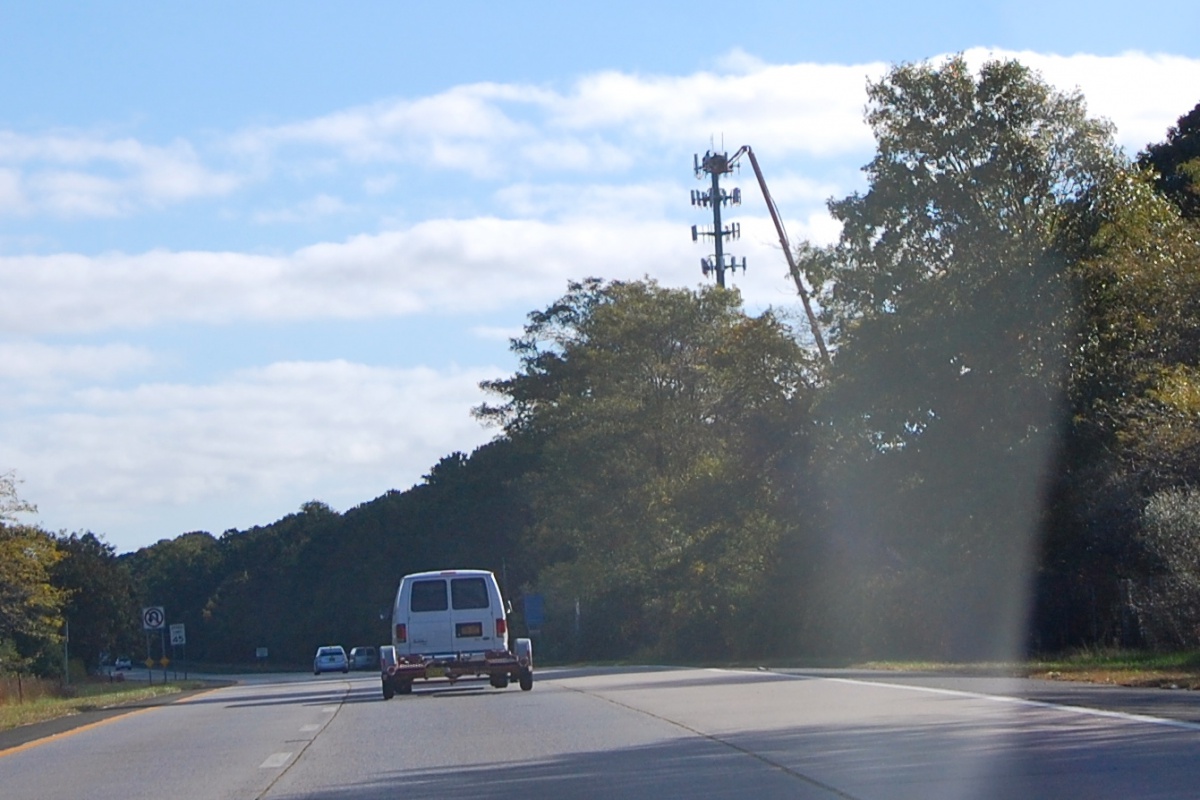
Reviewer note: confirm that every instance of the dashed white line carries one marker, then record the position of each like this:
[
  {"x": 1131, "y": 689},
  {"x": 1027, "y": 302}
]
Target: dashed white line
[{"x": 275, "y": 761}]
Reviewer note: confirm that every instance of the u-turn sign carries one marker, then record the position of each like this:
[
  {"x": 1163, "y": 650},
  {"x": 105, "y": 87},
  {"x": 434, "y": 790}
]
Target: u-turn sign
[{"x": 153, "y": 618}]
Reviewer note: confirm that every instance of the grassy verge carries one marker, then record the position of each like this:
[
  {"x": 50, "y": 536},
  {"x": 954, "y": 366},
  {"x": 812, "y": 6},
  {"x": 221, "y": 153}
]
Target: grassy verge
[
  {"x": 86, "y": 697},
  {"x": 1114, "y": 667},
  {"x": 1124, "y": 668}
]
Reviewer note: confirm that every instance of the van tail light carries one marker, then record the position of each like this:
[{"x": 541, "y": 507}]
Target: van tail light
[
  {"x": 401, "y": 633},
  {"x": 501, "y": 626}
]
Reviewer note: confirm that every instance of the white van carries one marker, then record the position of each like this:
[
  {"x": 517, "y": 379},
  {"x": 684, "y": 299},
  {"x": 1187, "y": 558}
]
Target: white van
[{"x": 452, "y": 624}]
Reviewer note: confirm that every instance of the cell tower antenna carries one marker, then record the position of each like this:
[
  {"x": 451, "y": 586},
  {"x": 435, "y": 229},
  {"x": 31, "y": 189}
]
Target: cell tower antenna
[{"x": 714, "y": 165}]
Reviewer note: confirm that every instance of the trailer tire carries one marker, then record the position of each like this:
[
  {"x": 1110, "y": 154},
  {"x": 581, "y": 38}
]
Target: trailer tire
[
  {"x": 405, "y": 687},
  {"x": 526, "y": 679},
  {"x": 500, "y": 681},
  {"x": 389, "y": 691}
]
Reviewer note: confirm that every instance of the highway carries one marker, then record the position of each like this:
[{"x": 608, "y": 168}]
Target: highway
[{"x": 631, "y": 733}]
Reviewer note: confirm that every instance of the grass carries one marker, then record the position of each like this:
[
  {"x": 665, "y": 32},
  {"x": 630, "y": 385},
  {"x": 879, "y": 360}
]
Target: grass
[
  {"x": 43, "y": 700},
  {"x": 1180, "y": 670}
]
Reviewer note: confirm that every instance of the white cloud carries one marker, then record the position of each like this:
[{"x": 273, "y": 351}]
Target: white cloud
[
  {"x": 285, "y": 433},
  {"x": 90, "y": 176},
  {"x": 605, "y": 123},
  {"x": 493, "y": 333},
  {"x": 1143, "y": 94},
  {"x": 12, "y": 195},
  {"x": 37, "y": 363},
  {"x": 439, "y": 265}
]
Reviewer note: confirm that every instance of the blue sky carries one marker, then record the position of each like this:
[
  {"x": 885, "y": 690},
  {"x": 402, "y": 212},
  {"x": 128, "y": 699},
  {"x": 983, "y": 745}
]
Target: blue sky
[{"x": 257, "y": 254}]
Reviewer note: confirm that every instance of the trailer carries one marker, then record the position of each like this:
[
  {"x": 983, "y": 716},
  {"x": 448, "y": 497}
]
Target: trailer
[{"x": 400, "y": 672}]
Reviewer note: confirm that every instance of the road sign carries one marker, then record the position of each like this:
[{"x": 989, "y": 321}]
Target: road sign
[
  {"x": 153, "y": 618},
  {"x": 178, "y": 636},
  {"x": 535, "y": 612}
]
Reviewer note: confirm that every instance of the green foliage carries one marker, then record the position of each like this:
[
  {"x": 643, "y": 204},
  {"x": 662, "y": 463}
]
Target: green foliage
[
  {"x": 1176, "y": 164},
  {"x": 670, "y": 428},
  {"x": 100, "y": 603},
  {"x": 30, "y": 605},
  {"x": 948, "y": 296},
  {"x": 1166, "y": 596}
]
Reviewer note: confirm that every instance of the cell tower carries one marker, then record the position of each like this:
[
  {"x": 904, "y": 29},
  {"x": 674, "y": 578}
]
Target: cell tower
[{"x": 715, "y": 165}]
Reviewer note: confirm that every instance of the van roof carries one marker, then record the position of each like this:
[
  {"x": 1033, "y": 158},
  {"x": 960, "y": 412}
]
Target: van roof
[{"x": 444, "y": 573}]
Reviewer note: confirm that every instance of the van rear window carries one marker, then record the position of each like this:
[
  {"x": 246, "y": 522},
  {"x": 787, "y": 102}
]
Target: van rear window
[
  {"x": 469, "y": 593},
  {"x": 428, "y": 595}
]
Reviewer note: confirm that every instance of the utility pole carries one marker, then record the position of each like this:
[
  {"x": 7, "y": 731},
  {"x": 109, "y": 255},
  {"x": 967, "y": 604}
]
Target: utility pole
[{"x": 715, "y": 165}]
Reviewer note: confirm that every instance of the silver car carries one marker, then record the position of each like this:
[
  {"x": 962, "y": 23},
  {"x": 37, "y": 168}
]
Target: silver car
[{"x": 330, "y": 658}]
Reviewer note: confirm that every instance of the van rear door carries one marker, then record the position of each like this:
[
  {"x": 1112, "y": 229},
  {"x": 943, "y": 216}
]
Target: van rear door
[
  {"x": 429, "y": 629},
  {"x": 471, "y": 614}
]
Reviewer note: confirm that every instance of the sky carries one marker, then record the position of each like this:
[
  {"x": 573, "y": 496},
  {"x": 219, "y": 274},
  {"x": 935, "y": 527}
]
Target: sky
[{"x": 257, "y": 254}]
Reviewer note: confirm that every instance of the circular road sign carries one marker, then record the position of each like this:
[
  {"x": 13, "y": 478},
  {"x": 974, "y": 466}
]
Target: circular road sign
[{"x": 153, "y": 618}]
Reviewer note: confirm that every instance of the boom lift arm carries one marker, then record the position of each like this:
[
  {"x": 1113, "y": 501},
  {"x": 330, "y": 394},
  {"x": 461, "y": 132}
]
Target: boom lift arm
[{"x": 787, "y": 249}]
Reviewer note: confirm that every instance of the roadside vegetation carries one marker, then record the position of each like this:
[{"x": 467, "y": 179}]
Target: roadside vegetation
[
  {"x": 1009, "y": 423},
  {"x": 27, "y": 700}
]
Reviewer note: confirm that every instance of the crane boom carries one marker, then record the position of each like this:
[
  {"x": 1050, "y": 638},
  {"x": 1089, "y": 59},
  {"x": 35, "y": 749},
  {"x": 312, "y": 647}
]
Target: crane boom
[{"x": 793, "y": 269}]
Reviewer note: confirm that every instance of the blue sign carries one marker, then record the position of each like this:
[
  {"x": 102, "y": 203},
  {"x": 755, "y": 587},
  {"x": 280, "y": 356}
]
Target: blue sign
[{"x": 535, "y": 611}]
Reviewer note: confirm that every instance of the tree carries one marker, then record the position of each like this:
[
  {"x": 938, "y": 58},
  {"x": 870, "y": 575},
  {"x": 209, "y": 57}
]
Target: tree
[
  {"x": 11, "y": 503},
  {"x": 100, "y": 603},
  {"x": 1134, "y": 405},
  {"x": 30, "y": 604},
  {"x": 948, "y": 299},
  {"x": 1176, "y": 163},
  {"x": 180, "y": 575},
  {"x": 670, "y": 428}
]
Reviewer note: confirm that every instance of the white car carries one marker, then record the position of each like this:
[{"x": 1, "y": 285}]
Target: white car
[{"x": 330, "y": 658}]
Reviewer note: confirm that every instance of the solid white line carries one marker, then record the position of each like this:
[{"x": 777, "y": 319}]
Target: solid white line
[
  {"x": 275, "y": 761},
  {"x": 1017, "y": 701}
]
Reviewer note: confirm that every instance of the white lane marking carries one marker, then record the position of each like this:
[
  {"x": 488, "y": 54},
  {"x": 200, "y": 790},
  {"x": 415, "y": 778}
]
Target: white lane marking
[
  {"x": 275, "y": 761},
  {"x": 329, "y": 710},
  {"x": 1000, "y": 698},
  {"x": 309, "y": 728}
]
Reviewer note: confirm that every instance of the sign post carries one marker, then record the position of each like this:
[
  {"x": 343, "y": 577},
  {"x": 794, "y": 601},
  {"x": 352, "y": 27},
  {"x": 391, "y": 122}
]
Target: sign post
[
  {"x": 154, "y": 618},
  {"x": 179, "y": 639}
]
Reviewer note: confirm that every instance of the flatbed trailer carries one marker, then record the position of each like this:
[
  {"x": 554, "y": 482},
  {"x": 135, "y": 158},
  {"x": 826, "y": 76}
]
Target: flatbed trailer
[{"x": 399, "y": 672}]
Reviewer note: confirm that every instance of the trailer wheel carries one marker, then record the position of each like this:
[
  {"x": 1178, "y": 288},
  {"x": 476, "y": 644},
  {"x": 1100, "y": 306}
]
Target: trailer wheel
[
  {"x": 389, "y": 691},
  {"x": 500, "y": 681},
  {"x": 405, "y": 687},
  {"x": 526, "y": 679}
]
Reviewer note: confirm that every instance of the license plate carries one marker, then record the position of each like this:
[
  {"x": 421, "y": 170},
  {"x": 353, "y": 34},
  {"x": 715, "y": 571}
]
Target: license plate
[{"x": 465, "y": 629}]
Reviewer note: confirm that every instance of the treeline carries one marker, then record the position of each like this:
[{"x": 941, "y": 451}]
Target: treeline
[{"x": 1000, "y": 457}]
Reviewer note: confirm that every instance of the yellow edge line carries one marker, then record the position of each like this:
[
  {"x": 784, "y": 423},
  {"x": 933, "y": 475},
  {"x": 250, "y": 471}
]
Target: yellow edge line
[{"x": 91, "y": 725}]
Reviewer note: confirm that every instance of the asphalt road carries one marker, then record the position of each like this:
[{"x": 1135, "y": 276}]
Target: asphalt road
[{"x": 631, "y": 733}]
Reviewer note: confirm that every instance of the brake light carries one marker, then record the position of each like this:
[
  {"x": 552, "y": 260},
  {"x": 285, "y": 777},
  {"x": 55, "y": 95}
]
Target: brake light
[
  {"x": 401, "y": 633},
  {"x": 501, "y": 626}
]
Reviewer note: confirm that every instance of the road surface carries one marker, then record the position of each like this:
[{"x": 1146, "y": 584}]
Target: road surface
[{"x": 631, "y": 733}]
